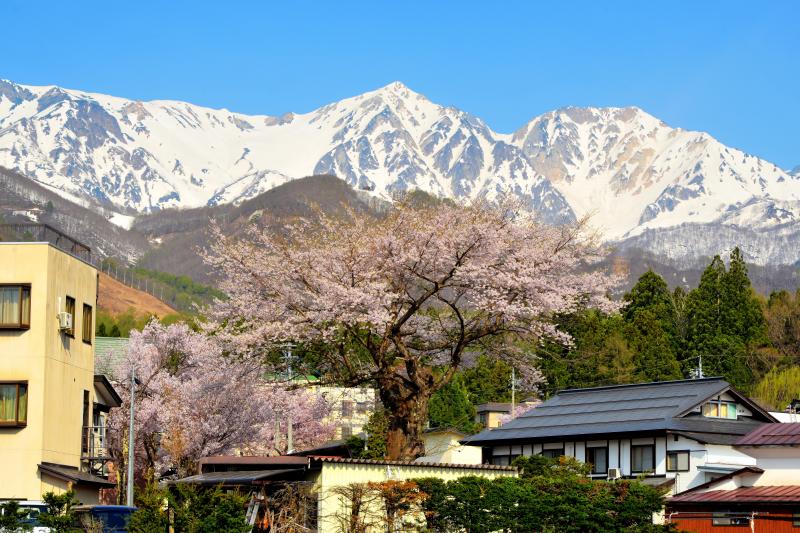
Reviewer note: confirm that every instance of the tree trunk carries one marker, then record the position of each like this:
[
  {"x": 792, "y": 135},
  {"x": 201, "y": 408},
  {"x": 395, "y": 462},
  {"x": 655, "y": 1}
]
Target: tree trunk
[{"x": 407, "y": 413}]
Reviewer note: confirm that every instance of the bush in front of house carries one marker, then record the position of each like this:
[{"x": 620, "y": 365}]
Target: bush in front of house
[
  {"x": 550, "y": 495},
  {"x": 11, "y": 518},
  {"x": 59, "y": 516},
  {"x": 193, "y": 510}
]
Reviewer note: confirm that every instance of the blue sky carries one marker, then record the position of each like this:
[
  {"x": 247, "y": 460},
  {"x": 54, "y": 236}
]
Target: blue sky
[{"x": 729, "y": 68}]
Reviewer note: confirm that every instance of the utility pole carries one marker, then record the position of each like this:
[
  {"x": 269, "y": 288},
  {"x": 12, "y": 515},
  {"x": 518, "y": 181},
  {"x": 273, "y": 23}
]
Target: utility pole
[
  {"x": 289, "y": 436},
  {"x": 513, "y": 390},
  {"x": 129, "y": 493}
]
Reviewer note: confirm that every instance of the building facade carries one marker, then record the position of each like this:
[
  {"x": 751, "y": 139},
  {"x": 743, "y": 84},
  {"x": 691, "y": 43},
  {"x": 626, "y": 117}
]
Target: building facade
[
  {"x": 676, "y": 433},
  {"x": 764, "y": 497},
  {"x": 49, "y": 397}
]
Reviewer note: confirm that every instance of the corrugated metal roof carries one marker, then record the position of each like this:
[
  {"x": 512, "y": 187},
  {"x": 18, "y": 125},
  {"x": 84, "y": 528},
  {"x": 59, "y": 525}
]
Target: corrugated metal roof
[
  {"x": 787, "y": 434},
  {"x": 242, "y": 477},
  {"x": 347, "y": 460},
  {"x": 763, "y": 494},
  {"x": 622, "y": 409}
]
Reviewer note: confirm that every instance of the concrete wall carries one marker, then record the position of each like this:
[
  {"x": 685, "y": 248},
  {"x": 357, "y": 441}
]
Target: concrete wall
[{"x": 58, "y": 368}]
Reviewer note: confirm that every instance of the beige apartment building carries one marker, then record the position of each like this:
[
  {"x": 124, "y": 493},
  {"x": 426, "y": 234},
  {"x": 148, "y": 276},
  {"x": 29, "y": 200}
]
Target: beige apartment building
[{"x": 52, "y": 406}]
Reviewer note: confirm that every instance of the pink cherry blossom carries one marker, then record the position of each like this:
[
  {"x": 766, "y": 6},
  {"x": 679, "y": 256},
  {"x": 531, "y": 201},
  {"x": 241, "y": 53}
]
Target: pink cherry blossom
[{"x": 395, "y": 301}]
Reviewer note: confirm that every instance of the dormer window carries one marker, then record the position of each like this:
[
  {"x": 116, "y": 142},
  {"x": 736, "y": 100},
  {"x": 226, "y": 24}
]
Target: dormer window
[{"x": 720, "y": 409}]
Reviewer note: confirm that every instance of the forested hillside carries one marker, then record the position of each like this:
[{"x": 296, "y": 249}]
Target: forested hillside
[{"x": 722, "y": 325}]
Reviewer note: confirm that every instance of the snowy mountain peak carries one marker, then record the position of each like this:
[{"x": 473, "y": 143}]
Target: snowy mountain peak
[{"x": 625, "y": 167}]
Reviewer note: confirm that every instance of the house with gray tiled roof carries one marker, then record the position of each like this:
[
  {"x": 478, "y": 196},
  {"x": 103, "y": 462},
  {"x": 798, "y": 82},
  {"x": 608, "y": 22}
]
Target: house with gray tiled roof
[{"x": 677, "y": 433}]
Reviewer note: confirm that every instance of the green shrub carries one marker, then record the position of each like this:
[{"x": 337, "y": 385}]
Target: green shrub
[
  {"x": 551, "y": 495},
  {"x": 59, "y": 516},
  {"x": 193, "y": 509},
  {"x": 11, "y": 518}
]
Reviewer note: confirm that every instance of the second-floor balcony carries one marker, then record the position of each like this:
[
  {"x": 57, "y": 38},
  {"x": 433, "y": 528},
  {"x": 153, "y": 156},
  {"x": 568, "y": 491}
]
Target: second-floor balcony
[{"x": 94, "y": 444}]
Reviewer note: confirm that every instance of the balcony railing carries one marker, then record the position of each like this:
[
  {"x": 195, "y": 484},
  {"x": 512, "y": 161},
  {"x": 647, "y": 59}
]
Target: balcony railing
[
  {"x": 34, "y": 232},
  {"x": 94, "y": 444}
]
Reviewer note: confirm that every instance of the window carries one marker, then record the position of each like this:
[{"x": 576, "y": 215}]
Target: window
[
  {"x": 720, "y": 409},
  {"x": 15, "y": 306},
  {"x": 70, "y": 308},
  {"x": 643, "y": 458},
  {"x": 598, "y": 458},
  {"x": 796, "y": 519},
  {"x": 13, "y": 403},
  {"x": 362, "y": 407},
  {"x": 87, "y": 323},
  {"x": 678, "y": 461},
  {"x": 553, "y": 454},
  {"x": 483, "y": 419},
  {"x": 347, "y": 409},
  {"x": 729, "y": 519}
]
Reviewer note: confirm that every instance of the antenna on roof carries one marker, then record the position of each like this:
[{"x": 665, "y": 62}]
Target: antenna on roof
[{"x": 698, "y": 372}]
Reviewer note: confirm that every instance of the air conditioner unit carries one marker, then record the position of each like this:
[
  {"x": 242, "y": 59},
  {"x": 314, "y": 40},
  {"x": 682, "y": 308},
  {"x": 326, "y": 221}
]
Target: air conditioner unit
[
  {"x": 614, "y": 473},
  {"x": 64, "y": 320}
]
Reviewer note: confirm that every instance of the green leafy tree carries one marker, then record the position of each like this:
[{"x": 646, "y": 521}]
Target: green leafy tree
[
  {"x": 59, "y": 516},
  {"x": 779, "y": 387},
  {"x": 450, "y": 407},
  {"x": 782, "y": 315}
]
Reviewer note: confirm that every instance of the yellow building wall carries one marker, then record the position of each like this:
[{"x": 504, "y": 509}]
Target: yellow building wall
[
  {"x": 57, "y": 368},
  {"x": 332, "y": 506},
  {"x": 443, "y": 447}
]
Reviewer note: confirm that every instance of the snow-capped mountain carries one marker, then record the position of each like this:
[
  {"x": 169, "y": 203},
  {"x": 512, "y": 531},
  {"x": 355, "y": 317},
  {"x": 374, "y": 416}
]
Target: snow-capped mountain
[
  {"x": 630, "y": 171},
  {"x": 633, "y": 172}
]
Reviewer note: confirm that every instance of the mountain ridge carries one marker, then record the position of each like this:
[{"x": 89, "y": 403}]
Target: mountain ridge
[{"x": 630, "y": 170}]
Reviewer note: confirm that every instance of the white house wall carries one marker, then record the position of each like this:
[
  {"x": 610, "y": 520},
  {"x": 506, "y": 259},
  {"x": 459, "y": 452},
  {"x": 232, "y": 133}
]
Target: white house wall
[{"x": 715, "y": 456}]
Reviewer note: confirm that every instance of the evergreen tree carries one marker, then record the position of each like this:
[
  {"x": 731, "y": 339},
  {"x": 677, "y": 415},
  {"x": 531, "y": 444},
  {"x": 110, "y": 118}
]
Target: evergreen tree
[
  {"x": 651, "y": 293},
  {"x": 653, "y": 347},
  {"x": 450, "y": 407},
  {"x": 742, "y": 315},
  {"x": 651, "y": 326},
  {"x": 725, "y": 322}
]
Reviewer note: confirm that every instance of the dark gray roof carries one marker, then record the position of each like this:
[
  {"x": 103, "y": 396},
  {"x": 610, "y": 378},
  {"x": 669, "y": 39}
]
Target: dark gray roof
[
  {"x": 493, "y": 407},
  {"x": 242, "y": 477},
  {"x": 625, "y": 409},
  {"x": 70, "y": 473}
]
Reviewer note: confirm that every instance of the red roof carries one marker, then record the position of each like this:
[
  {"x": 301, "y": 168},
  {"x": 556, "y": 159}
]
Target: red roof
[
  {"x": 765, "y": 494},
  {"x": 772, "y": 435}
]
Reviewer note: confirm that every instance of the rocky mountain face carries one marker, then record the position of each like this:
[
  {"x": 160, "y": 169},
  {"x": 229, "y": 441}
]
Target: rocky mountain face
[{"x": 645, "y": 184}]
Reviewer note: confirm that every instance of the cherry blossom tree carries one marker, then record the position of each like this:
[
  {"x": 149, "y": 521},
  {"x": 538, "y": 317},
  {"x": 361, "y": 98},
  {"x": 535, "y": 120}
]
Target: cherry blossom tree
[
  {"x": 192, "y": 401},
  {"x": 396, "y": 301}
]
